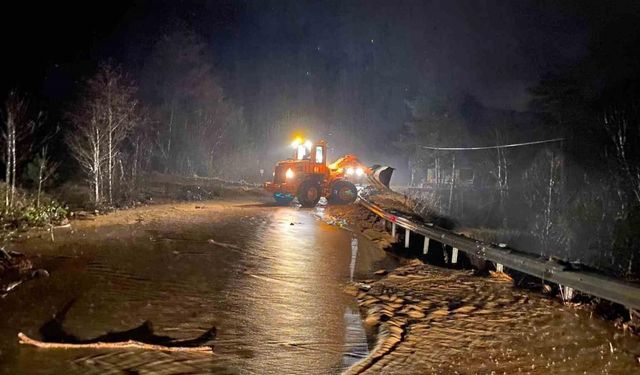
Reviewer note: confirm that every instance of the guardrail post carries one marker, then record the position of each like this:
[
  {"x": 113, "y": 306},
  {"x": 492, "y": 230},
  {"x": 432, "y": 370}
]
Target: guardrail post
[
  {"x": 393, "y": 230},
  {"x": 454, "y": 255},
  {"x": 499, "y": 267},
  {"x": 566, "y": 292},
  {"x": 425, "y": 246},
  {"x": 407, "y": 235}
]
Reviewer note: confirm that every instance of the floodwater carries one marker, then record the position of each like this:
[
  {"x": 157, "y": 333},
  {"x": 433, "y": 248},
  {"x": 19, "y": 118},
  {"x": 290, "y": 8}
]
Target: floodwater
[{"x": 270, "y": 279}]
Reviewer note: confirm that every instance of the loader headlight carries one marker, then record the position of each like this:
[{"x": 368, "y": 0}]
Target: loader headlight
[
  {"x": 288, "y": 174},
  {"x": 359, "y": 172},
  {"x": 350, "y": 171}
]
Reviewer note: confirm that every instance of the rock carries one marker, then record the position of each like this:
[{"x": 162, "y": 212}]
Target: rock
[
  {"x": 40, "y": 273},
  {"x": 380, "y": 272}
]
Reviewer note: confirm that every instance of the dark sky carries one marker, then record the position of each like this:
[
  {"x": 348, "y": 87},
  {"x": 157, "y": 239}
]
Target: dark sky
[{"x": 491, "y": 49}]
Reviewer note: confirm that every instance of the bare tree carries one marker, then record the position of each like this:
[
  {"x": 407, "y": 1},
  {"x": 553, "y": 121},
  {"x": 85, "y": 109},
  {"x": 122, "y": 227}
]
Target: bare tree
[
  {"x": 102, "y": 120},
  {"x": 502, "y": 173},
  {"x": 18, "y": 127},
  {"x": 624, "y": 131},
  {"x": 119, "y": 106},
  {"x": 46, "y": 169},
  {"x": 86, "y": 144}
]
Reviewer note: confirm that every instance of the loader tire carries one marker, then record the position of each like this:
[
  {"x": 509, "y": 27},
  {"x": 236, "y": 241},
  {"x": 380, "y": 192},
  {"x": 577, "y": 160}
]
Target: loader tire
[
  {"x": 343, "y": 192},
  {"x": 309, "y": 193}
]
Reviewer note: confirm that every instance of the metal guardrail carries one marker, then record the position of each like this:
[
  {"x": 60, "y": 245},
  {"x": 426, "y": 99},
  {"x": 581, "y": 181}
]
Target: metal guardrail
[{"x": 587, "y": 282}]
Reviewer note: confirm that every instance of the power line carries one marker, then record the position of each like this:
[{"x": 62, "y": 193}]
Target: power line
[{"x": 491, "y": 147}]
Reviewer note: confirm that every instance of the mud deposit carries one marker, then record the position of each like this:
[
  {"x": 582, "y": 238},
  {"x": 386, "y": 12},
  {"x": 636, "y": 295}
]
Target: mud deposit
[
  {"x": 270, "y": 279},
  {"x": 435, "y": 320}
]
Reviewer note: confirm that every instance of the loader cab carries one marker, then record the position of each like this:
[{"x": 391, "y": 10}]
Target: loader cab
[
  {"x": 315, "y": 153},
  {"x": 319, "y": 153}
]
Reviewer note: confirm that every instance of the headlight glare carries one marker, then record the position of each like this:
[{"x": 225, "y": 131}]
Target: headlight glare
[{"x": 288, "y": 174}]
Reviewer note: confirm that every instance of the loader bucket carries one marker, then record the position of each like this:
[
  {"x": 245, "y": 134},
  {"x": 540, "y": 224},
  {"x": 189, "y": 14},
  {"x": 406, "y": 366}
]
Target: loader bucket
[{"x": 381, "y": 175}]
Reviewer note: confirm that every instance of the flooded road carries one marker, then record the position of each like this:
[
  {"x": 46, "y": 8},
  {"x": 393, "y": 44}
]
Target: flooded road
[{"x": 270, "y": 279}]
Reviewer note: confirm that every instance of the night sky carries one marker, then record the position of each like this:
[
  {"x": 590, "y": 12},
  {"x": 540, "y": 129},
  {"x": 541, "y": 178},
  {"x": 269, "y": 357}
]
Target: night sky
[
  {"x": 491, "y": 49},
  {"x": 336, "y": 63}
]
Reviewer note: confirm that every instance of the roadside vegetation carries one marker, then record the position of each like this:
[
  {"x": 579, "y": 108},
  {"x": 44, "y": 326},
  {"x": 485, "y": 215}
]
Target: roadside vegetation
[
  {"x": 168, "y": 133},
  {"x": 576, "y": 196}
]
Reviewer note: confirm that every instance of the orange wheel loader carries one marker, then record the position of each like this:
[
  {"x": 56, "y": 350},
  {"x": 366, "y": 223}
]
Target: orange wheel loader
[{"x": 307, "y": 177}]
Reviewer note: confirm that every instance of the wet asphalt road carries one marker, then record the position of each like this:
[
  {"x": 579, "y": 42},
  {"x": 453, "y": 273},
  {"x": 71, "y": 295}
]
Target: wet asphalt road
[{"x": 269, "y": 278}]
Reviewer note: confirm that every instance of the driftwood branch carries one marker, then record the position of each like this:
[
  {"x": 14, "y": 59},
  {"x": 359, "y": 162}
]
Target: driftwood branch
[{"x": 26, "y": 340}]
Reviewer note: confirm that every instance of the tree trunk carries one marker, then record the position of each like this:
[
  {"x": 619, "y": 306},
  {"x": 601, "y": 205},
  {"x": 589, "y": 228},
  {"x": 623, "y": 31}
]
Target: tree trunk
[
  {"x": 7, "y": 192},
  {"x": 96, "y": 167},
  {"x": 453, "y": 179},
  {"x": 13, "y": 164},
  {"x": 547, "y": 219},
  {"x": 134, "y": 166},
  {"x": 110, "y": 131},
  {"x": 40, "y": 176}
]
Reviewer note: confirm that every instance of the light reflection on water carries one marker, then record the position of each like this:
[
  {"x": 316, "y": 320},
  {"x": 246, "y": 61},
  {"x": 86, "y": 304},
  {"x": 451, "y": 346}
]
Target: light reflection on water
[
  {"x": 355, "y": 341},
  {"x": 276, "y": 295},
  {"x": 355, "y": 347}
]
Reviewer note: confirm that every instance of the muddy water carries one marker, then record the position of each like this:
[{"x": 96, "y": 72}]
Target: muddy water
[{"x": 270, "y": 279}]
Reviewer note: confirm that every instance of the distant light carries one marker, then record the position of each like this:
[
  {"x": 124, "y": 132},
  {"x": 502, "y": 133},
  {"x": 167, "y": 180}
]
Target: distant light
[
  {"x": 350, "y": 171},
  {"x": 308, "y": 144},
  {"x": 359, "y": 172},
  {"x": 296, "y": 143}
]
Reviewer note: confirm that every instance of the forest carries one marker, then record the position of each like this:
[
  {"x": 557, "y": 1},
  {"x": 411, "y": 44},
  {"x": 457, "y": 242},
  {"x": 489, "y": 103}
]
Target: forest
[{"x": 575, "y": 198}]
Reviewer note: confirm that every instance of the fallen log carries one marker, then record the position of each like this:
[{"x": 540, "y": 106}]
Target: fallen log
[{"x": 26, "y": 340}]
